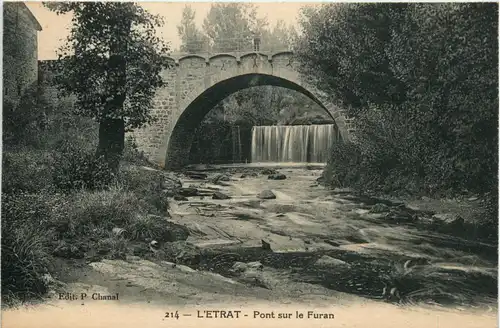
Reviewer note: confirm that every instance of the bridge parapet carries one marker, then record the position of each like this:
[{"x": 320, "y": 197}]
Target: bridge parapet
[{"x": 176, "y": 57}]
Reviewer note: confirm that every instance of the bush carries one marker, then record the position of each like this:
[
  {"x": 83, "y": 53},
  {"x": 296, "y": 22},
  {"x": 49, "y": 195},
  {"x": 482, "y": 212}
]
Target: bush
[
  {"x": 147, "y": 185},
  {"x": 76, "y": 168},
  {"x": 340, "y": 170},
  {"x": 95, "y": 213},
  {"x": 23, "y": 122},
  {"x": 112, "y": 247},
  {"x": 132, "y": 155},
  {"x": 26, "y": 170}
]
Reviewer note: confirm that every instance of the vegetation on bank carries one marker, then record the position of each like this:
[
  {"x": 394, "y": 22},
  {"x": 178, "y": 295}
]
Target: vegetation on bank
[
  {"x": 420, "y": 83},
  {"x": 58, "y": 199},
  {"x": 63, "y": 190}
]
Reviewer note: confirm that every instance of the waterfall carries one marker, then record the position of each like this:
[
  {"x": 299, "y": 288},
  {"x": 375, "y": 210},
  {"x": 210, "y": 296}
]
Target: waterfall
[{"x": 292, "y": 143}]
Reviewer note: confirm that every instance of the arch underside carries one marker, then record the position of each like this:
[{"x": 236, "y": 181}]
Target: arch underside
[{"x": 181, "y": 138}]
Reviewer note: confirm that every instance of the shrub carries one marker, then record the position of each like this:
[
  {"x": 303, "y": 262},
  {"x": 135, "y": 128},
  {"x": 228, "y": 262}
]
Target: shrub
[
  {"x": 76, "y": 168},
  {"x": 131, "y": 153},
  {"x": 148, "y": 227},
  {"x": 112, "y": 247},
  {"x": 94, "y": 213},
  {"x": 26, "y": 170},
  {"x": 147, "y": 186},
  {"x": 23, "y": 122},
  {"x": 340, "y": 171}
]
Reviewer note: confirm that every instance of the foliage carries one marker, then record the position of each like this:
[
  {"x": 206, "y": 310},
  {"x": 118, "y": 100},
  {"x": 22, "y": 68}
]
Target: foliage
[
  {"x": 22, "y": 122},
  {"x": 24, "y": 261},
  {"x": 132, "y": 155},
  {"x": 148, "y": 186},
  {"x": 420, "y": 82},
  {"x": 100, "y": 32},
  {"x": 231, "y": 26},
  {"x": 265, "y": 105},
  {"x": 75, "y": 168},
  {"x": 26, "y": 170},
  {"x": 193, "y": 40},
  {"x": 25, "y": 255}
]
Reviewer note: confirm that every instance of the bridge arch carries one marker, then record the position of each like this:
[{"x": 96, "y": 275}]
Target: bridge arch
[{"x": 197, "y": 83}]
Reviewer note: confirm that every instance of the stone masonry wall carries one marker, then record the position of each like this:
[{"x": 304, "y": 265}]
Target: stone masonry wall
[{"x": 20, "y": 57}]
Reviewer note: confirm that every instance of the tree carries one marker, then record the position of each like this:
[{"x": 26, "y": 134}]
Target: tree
[
  {"x": 420, "y": 81},
  {"x": 111, "y": 62},
  {"x": 193, "y": 40},
  {"x": 231, "y": 26}
]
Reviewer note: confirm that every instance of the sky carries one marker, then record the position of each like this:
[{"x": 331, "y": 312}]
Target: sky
[{"x": 55, "y": 28}]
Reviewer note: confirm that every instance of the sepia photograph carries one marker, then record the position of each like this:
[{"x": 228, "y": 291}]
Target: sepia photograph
[{"x": 249, "y": 164}]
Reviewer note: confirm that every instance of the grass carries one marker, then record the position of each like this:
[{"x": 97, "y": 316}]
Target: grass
[
  {"x": 38, "y": 226},
  {"x": 25, "y": 258}
]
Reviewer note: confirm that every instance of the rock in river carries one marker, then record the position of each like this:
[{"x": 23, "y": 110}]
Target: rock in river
[
  {"x": 449, "y": 219},
  {"x": 220, "y": 195},
  {"x": 180, "y": 198},
  {"x": 266, "y": 194},
  {"x": 277, "y": 176},
  {"x": 188, "y": 192},
  {"x": 328, "y": 261},
  {"x": 268, "y": 171},
  {"x": 239, "y": 267},
  {"x": 182, "y": 252},
  {"x": 220, "y": 177},
  {"x": 195, "y": 175},
  {"x": 157, "y": 227},
  {"x": 379, "y": 208}
]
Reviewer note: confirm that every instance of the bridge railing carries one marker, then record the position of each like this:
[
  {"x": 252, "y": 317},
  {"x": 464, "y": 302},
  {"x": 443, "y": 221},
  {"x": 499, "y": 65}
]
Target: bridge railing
[{"x": 236, "y": 45}]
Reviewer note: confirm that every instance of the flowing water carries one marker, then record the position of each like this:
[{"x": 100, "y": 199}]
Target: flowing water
[{"x": 297, "y": 143}]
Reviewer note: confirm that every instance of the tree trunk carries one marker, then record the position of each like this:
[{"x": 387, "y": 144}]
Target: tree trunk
[
  {"x": 112, "y": 124},
  {"x": 111, "y": 141}
]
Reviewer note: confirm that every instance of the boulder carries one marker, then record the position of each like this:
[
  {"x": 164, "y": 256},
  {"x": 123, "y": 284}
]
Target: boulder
[
  {"x": 251, "y": 174},
  {"x": 188, "y": 192},
  {"x": 220, "y": 177},
  {"x": 276, "y": 176},
  {"x": 328, "y": 261},
  {"x": 159, "y": 228},
  {"x": 449, "y": 219},
  {"x": 170, "y": 184},
  {"x": 220, "y": 195},
  {"x": 182, "y": 252},
  {"x": 240, "y": 267},
  {"x": 265, "y": 245},
  {"x": 195, "y": 175},
  {"x": 266, "y": 194},
  {"x": 379, "y": 208},
  {"x": 176, "y": 232},
  {"x": 268, "y": 171}
]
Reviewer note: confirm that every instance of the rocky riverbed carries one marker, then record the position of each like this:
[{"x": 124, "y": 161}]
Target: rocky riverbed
[{"x": 267, "y": 237}]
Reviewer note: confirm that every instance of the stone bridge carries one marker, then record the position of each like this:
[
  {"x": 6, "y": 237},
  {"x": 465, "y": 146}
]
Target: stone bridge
[{"x": 196, "y": 83}]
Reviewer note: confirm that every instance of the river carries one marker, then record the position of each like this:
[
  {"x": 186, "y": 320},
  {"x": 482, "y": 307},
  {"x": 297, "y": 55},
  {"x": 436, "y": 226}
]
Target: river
[{"x": 329, "y": 253}]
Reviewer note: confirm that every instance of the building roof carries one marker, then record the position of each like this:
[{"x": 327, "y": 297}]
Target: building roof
[{"x": 32, "y": 17}]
